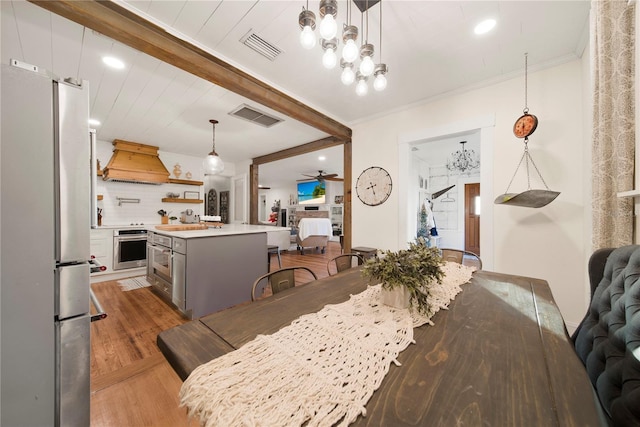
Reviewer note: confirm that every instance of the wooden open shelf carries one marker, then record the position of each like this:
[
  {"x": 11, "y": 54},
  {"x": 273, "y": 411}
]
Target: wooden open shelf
[
  {"x": 100, "y": 197},
  {"x": 174, "y": 200},
  {"x": 184, "y": 181}
]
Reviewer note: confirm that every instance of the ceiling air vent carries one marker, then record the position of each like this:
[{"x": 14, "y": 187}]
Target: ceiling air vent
[
  {"x": 248, "y": 113},
  {"x": 260, "y": 45}
]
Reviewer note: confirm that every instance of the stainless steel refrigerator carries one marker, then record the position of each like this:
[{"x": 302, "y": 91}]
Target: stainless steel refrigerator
[{"x": 44, "y": 253}]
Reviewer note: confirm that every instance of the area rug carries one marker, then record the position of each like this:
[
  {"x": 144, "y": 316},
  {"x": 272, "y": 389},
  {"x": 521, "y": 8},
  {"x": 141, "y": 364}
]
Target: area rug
[{"x": 133, "y": 283}]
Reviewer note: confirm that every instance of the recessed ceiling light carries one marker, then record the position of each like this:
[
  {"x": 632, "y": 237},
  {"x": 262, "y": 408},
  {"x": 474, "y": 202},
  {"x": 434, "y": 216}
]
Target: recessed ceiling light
[
  {"x": 322, "y": 158},
  {"x": 485, "y": 26},
  {"x": 94, "y": 122},
  {"x": 113, "y": 62}
]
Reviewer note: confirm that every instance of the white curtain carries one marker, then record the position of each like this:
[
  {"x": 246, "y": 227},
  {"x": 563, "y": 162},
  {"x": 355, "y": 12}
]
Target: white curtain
[{"x": 613, "y": 145}]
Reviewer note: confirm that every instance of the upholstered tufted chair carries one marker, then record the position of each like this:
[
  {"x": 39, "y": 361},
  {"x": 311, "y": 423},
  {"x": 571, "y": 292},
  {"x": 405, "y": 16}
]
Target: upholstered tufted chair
[{"x": 608, "y": 338}]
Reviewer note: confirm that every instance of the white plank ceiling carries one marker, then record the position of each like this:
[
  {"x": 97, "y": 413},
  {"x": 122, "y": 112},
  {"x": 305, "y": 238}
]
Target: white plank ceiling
[{"x": 429, "y": 47}]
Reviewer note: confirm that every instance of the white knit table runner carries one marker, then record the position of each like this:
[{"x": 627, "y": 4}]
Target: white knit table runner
[{"x": 319, "y": 371}]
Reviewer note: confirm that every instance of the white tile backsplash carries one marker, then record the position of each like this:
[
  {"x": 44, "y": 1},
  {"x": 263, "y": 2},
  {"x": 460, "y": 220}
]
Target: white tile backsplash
[{"x": 150, "y": 197}]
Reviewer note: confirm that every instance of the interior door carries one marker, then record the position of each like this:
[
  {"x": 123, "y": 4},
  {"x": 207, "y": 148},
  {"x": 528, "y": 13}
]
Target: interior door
[
  {"x": 472, "y": 218},
  {"x": 239, "y": 196}
]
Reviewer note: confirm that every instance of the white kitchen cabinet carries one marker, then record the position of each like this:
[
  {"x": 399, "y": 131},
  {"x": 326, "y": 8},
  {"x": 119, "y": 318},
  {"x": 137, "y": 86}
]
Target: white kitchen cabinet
[{"x": 102, "y": 249}]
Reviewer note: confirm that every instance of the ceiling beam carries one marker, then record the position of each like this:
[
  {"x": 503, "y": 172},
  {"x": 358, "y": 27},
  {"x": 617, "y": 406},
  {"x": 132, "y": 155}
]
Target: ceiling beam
[
  {"x": 120, "y": 24},
  {"x": 299, "y": 149}
]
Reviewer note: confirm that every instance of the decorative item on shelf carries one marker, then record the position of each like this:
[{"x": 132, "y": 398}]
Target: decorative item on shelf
[
  {"x": 177, "y": 170},
  {"x": 463, "y": 160},
  {"x": 350, "y": 52},
  {"x": 190, "y": 195},
  {"x": 173, "y": 195},
  {"x": 188, "y": 175},
  {"x": 524, "y": 126},
  {"x": 413, "y": 270},
  {"x": 213, "y": 164},
  {"x": 338, "y": 200}
]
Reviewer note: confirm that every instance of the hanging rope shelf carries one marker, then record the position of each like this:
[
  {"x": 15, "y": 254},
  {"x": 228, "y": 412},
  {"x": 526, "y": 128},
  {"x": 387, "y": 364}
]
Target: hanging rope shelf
[{"x": 523, "y": 127}]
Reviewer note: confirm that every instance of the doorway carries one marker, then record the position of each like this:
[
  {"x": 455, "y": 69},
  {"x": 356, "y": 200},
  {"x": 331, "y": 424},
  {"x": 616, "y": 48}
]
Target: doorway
[
  {"x": 472, "y": 218},
  {"x": 407, "y": 203},
  {"x": 262, "y": 207}
]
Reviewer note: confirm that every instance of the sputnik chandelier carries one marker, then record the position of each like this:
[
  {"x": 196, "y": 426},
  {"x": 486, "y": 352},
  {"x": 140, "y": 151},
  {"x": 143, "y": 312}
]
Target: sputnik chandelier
[
  {"x": 329, "y": 42},
  {"x": 463, "y": 160}
]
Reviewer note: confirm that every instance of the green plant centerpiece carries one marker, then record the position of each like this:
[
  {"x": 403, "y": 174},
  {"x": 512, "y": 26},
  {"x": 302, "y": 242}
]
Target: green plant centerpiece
[{"x": 415, "y": 269}]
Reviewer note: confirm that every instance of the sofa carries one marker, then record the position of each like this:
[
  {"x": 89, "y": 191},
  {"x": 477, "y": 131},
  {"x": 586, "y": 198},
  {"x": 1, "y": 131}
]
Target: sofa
[{"x": 608, "y": 338}]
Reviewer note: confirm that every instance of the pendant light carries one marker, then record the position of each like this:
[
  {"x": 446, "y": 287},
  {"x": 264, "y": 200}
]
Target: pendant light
[
  {"x": 213, "y": 164},
  {"x": 330, "y": 59},
  {"x": 348, "y": 76},
  {"x": 349, "y": 37},
  {"x": 307, "y": 22},
  {"x": 361, "y": 87},
  {"x": 380, "y": 71},
  {"x": 366, "y": 52},
  {"x": 328, "y": 24}
]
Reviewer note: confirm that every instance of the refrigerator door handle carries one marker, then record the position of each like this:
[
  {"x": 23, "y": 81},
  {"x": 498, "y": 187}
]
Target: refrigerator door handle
[
  {"x": 100, "y": 313},
  {"x": 94, "y": 178}
]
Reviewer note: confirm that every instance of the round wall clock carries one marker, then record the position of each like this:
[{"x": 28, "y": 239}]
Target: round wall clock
[
  {"x": 525, "y": 125},
  {"x": 373, "y": 186}
]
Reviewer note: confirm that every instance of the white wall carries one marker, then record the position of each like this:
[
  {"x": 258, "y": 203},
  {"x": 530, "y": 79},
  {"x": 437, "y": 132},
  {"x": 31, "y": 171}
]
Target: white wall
[{"x": 547, "y": 243}]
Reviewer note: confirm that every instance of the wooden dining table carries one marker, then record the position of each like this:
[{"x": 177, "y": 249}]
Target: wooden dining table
[{"x": 499, "y": 356}]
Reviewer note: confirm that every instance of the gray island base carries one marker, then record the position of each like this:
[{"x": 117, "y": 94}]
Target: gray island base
[{"x": 210, "y": 269}]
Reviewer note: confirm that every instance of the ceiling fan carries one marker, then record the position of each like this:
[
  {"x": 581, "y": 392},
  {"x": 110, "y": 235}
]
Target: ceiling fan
[{"x": 323, "y": 177}]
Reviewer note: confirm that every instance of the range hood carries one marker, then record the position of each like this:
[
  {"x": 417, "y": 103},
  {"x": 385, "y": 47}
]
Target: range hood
[{"x": 135, "y": 163}]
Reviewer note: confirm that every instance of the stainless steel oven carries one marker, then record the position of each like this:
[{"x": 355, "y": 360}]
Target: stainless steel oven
[
  {"x": 159, "y": 253},
  {"x": 129, "y": 248},
  {"x": 160, "y": 264}
]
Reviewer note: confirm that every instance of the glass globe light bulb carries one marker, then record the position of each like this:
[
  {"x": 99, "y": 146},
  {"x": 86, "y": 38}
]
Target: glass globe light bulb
[
  {"x": 329, "y": 59},
  {"x": 380, "y": 82},
  {"x": 362, "y": 88},
  {"x": 328, "y": 27},
  {"x": 212, "y": 164},
  {"x": 367, "y": 66},
  {"x": 307, "y": 38},
  {"x": 350, "y": 51},
  {"x": 348, "y": 76}
]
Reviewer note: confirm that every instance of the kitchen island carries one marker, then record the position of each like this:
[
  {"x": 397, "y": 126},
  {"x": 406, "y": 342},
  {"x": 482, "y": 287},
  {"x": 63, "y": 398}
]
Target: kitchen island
[{"x": 204, "y": 271}]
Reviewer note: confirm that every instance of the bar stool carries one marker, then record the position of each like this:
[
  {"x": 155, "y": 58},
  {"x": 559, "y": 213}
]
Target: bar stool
[{"x": 271, "y": 250}]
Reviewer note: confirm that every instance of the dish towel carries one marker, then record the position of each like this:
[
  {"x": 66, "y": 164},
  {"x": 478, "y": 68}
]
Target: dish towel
[{"x": 319, "y": 371}]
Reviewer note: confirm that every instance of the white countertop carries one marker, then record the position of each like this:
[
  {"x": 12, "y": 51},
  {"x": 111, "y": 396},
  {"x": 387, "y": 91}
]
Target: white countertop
[
  {"x": 226, "y": 230},
  {"x": 124, "y": 226}
]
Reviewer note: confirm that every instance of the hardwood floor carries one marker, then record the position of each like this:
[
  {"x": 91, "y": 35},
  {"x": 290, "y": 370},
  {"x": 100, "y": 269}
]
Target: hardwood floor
[{"x": 131, "y": 382}]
